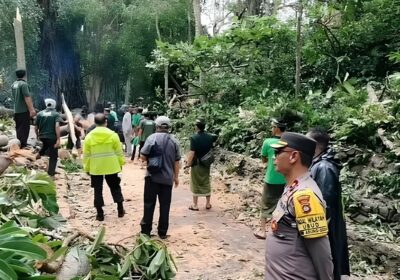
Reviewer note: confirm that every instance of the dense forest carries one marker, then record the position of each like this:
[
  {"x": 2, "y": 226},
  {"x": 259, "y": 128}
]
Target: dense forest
[{"x": 237, "y": 63}]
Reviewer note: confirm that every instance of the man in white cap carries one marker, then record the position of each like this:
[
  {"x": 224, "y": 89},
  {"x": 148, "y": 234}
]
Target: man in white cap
[
  {"x": 48, "y": 131},
  {"x": 162, "y": 153}
]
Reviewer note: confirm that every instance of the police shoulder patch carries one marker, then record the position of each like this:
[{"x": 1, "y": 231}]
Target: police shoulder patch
[{"x": 310, "y": 214}]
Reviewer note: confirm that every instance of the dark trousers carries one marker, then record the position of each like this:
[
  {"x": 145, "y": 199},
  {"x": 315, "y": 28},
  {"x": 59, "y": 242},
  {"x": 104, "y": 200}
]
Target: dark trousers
[
  {"x": 51, "y": 152},
  {"x": 22, "y": 127},
  {"x": 113, "y": 182},
  {"x": 141, "y": 144},
  {"x": 164, "y": 193}
]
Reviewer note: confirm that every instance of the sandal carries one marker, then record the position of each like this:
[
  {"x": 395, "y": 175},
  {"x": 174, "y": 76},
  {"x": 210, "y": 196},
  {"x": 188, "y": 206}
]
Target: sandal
[
  {"x": 192, "y": 208},
  {"x": 208, "y": 207},
  {"x": 259, "y": 235}
]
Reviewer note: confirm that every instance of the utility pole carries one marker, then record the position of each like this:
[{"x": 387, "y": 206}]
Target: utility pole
[{"x": 19, "y": 41}]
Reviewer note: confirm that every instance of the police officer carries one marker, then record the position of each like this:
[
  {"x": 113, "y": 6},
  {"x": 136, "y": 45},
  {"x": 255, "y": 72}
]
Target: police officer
[{"x": 297, "y": 246}]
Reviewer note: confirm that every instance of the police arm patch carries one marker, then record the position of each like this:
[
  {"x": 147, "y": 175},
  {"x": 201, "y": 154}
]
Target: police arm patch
[{"x": 310, "y": 214}]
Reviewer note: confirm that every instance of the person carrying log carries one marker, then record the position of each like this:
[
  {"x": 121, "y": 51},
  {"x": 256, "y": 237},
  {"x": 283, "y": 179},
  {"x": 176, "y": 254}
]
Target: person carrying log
[
  {"x": 48, "y": 131},
  {"x": 23, "y": 107}
]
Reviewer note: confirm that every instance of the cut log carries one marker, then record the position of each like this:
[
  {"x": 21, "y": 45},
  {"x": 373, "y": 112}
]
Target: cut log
[
  {"x": 3, "y": 140},
  {"x": 70, "y": 120},
  {"x": 5, "y": 112},
  {"x": 76, "y": 264},
  {"x": 4, "y": 163}
]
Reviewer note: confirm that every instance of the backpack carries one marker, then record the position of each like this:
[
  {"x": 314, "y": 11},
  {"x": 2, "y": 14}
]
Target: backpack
[{"x": 155, "y": 159}]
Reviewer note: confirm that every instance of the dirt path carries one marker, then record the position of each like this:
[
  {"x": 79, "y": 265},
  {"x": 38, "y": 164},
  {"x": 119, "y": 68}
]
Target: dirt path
[{"x": 208, "y": 244}]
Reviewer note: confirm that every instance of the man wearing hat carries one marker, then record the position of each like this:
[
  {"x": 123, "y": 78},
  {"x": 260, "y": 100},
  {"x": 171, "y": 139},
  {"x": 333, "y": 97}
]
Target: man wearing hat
[
  {"x": 163, "y": 148},
  {"x": 48, "y": 131},
  {"x": 201, "y": 144},
  {"x": 274, "y": 182},
  {"x": 298, "y": 246},
  {"x": 23, "y": 107}
]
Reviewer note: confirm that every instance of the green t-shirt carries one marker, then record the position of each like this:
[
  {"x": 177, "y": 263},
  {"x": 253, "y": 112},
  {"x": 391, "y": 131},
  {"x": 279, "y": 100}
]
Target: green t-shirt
[
  {"x": 201, "y": 143},
  {"x": 111, "y": 122},
  {"x": 46, "y": 123},
  {"x": 271, "y": 176},
  {"x": 20, "y": 90},
  {"x": 148, "y": 127},
  {"x": 114, "y": 114},
  {"x": 136, "y": 118}
]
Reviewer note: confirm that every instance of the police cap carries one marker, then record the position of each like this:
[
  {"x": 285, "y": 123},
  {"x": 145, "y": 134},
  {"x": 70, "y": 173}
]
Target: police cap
[{"x": 296, "y": 141}]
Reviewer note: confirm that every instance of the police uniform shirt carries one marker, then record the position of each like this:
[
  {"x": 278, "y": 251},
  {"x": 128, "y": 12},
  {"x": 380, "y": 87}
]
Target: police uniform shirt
[{"x": 297, "y": 247}]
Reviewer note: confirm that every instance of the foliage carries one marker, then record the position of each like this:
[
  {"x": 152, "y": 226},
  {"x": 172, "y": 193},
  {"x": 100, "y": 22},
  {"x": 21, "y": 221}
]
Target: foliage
[
  {"x": 18, "y": 253},
  {"x": 30, "y": 199},
  {"x": 151, "y": 259},
  {"x": 24, "y": 190},
  {"x": 237, "y": 64},
  {"x": 350, "y": 36},
  {"x": 71, "y": 165}
]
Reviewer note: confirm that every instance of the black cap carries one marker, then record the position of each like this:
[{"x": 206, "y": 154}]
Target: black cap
[
  {"x": 296, "y": 141},
  {"x": 200, "y": 121}
]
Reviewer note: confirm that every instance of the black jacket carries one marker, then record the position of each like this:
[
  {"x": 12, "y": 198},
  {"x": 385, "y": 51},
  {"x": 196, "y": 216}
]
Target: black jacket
[{"x": 325, "y": 171}]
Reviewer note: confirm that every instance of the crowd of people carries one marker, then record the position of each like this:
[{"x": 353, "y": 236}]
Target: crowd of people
[{"x": 301, "y": 215}]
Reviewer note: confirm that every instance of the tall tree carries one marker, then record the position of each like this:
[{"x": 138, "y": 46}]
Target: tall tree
[{"x": 59, "y": 59}]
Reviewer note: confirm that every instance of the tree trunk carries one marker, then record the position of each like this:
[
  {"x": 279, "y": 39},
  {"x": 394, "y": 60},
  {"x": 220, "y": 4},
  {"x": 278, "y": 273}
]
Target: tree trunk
[
  {"x": 197, "y": 18},
  {"x": 298, "y": 46},
  {"x": 127, "y": 90},
  {"x": 198, "y": 32},
  {"x": 271, "y": 7},
  {"x": 93, "y": 90},
  {"x": 254, "y": 7},
  {"x": 19, "y": 41},
  {"x": 189, "y": 21},
  {"x": 166, "y": 84},
  {"x": 59, "y": 60}
]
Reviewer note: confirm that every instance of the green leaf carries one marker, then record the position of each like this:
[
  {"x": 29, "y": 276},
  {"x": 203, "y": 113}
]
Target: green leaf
[
  {"x": 8, "y": 225},
  {"x": 5, "y": 255},
  {"x": 12, "y": 231},
  {"x": 127, "y": 264},
  {"x": 156, "y": 262},
  {"x": 50, "y": 203},
  {"x": 52, "y": 222},
  {"x": 6, "y": 272},
  {"x": 25, "y": 249},
  {"x": 20, "y": 266},
  {"x": 350, "y": 89},
  {"x": 137, "y": 253},
  {"x": 98, "y": 240}
]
